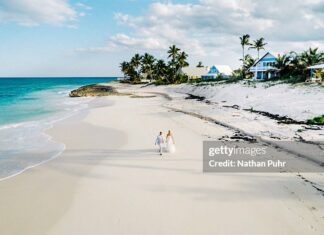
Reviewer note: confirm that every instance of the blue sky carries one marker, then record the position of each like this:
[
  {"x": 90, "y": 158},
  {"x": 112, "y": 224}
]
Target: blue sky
[{"x": 91, "y": 37}]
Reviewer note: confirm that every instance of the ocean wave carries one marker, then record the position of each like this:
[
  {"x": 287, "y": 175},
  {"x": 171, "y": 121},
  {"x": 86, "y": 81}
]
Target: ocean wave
[
  {"x": 29, "y": 107},
  {"x": 25, "y": 145}
]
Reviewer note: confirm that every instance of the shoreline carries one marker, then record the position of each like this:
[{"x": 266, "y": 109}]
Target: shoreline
[
  {"x": 37, "y": 129},
  {"x": 110, "y": 172},
  {"x": 48, "y": 123},
  {"x": 58, "y": 195}
]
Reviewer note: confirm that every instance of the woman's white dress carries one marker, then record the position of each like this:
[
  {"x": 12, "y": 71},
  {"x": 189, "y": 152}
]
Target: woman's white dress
[{"x": 170, "y": 147}]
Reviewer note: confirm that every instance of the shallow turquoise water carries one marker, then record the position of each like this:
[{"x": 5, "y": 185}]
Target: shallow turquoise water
[
  {"x": 23, "y": 99},
  {"x": 28, "y": 107}
]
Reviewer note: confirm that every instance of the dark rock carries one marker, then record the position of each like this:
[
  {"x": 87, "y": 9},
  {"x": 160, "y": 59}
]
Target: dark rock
[
  {"x": 277, "y": 117},
  {"x": 235, "y": 106},
  {"x": 195, "y": 97},
  {"x": 94, "y": 90},
  {"x": 240, "y": 136},
  {"x": 314, "y": 128}
]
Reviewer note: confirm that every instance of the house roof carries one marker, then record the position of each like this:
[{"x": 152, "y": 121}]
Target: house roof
[
  {"x": 318, "y": 66},
  {"x": 194, "y": 71},
  {"x": 268, "y": 53},
  {"x": 222, "y": 69}
]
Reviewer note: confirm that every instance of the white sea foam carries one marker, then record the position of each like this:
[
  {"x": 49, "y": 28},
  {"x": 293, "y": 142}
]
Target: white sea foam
[{"x": 26, "y": 145}]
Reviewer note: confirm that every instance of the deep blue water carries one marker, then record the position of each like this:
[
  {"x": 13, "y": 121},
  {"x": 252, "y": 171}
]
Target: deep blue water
[
  {"x": 23, "y": 99},
  {"x": 28, "y": 107}
]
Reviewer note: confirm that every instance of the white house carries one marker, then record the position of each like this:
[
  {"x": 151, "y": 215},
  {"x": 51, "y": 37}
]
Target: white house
[
  {"x": 216, "y": 71},
  {"x": 194, "y": 72},
  {"x": 315, "y": 71},
  {"x": 264, "y": 68}
]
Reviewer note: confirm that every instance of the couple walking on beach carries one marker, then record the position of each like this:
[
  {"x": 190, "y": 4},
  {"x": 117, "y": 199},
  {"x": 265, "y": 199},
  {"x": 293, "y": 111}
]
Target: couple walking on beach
[{"x": 170, "y": 144}]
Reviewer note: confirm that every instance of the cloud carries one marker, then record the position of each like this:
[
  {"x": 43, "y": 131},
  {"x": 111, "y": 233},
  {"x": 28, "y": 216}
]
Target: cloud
[
  {"x": 36, "y": 12},
  {"x": 84, "y": 6},
  {"x": 199, "y": 28},
  {"x": 210, "y": 28}
]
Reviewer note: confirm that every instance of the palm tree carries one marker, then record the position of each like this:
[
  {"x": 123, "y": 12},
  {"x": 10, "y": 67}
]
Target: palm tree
[
  {"x": 295, "y": 62},
  {"x": 173, "y": 52},
  {"x": 282, "y": 63},
  {"x": 135, "y": 67},
  {"x": 248, "y": 62},
  {"x": 311, "y": 57},
  {"x": 148, "y": 59},
  {"x": 200, "y": 65},
  {"x": 176, "y": 65},
  {"x": 245, "y": 41},
  {"x": 158, "y": 69},
  {"x": 297, "y": 66},
  {"x": 258, "y": 45},
  {"x": 125, "y": 67},
  {"x": 136, "y": 61},
  {"x": 129, "y": 71},
  {"x": 147, "y": 65},
  {"x": 161, "y": 70},
  {"x": 182, "y": 60}
]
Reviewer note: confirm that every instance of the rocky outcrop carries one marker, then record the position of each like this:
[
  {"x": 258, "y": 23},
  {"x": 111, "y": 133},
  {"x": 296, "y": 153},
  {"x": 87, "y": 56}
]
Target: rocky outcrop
[{"x": 94, "y": 90}]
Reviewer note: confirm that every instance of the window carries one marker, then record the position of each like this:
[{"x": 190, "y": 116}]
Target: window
[
  {"x": 269, "y": 64},
  {"x": 259, "y": 75}
]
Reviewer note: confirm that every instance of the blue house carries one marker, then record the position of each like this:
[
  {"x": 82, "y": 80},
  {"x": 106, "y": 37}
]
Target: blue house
[
  {"x": 264, "y": 68},
  {"x": 216, "y": 71}
]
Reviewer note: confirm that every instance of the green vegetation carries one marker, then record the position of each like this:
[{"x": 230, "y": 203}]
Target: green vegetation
[
  {"x": 292, "y": 67},
  {"x": 219, "y": 80},
  {"x": 316, "y": 121},
  {"x": 248, "y": 60},
  {"x": 161, "y": 72},
  {"x": 258, "y": 45},
  {"x": 245, "y": 41}
]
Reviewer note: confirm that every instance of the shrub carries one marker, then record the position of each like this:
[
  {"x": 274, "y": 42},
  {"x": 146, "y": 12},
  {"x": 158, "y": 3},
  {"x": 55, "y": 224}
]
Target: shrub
[
  {"x": 233, "y": 79},
  {"x": 316, "y": 120},
  {"x": 161, "y": 81}
]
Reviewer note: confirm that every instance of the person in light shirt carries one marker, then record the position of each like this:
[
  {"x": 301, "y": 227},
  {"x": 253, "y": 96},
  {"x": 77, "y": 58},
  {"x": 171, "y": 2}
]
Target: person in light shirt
[{"x": 159, "y": 142}]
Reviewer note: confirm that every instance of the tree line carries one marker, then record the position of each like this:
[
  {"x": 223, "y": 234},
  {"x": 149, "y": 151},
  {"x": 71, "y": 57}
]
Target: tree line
[
  {"x": 163, "y": 72},
  {"x": 291, "y": 65}
]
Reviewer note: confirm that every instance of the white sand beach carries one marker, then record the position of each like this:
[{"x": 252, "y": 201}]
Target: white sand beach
[{"x": 111, "y": 180}]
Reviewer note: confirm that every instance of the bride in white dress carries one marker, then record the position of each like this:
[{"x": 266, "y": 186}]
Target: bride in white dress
[{"x": 170, "y": 144}]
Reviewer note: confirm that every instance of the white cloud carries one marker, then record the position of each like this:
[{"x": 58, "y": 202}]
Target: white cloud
[
  {"x": 210, "y": 29},
  {"x": 35, "y": 12},
  {"x": 83, "y": 6}
]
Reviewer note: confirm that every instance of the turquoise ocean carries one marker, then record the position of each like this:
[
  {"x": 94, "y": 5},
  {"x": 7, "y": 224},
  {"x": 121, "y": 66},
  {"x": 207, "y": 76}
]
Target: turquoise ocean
[{"x": 28, "y": 107}]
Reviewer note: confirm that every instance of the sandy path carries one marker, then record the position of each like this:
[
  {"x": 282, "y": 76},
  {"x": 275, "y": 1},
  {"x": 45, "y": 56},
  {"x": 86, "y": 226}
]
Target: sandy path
[{"x": 140, "y": 193}]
